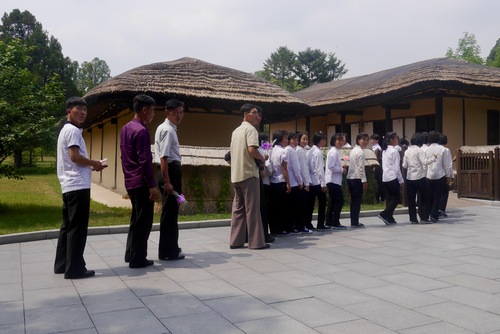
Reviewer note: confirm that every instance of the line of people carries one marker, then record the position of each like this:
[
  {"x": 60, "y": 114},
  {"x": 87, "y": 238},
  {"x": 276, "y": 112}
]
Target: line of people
[{"x": 297, "y": 177}]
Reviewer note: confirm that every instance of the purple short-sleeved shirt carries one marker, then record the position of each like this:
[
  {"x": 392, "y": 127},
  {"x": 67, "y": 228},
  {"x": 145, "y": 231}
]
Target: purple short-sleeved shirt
[{"x": 137, "y": 160}]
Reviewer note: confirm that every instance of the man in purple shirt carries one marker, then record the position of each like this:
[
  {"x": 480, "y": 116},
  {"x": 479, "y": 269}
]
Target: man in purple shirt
[{"x": 140, "y": 182}]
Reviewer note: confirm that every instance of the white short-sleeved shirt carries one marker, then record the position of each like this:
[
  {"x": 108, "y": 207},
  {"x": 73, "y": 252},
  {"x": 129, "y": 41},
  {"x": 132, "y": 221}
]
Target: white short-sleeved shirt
[
  {"x": 71, "y": 176},
  {"x": 167, "y": 142},
  {"x": 333, "y": 170},
  {"x": 278, "y": 155}
]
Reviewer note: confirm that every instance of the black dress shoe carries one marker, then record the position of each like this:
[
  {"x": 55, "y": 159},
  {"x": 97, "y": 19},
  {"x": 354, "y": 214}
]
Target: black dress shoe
[
  {"x": 236, "y": 247},
  {"x": 179, "y": 256},
  {"x": 145, "y": 263},
  {"x": 264, "y": 247},
  {"x": 85, "y": 274},
  {"x": 270, "y": 238}
]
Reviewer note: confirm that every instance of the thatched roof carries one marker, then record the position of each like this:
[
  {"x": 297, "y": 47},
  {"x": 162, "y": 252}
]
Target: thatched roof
[
  {"x": 430, "y": 76},
  {"x": 200, "y": 85}
]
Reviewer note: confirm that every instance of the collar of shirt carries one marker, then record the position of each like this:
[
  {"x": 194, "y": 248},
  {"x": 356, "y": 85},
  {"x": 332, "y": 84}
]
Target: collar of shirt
[{"x": 171, "y": 124}]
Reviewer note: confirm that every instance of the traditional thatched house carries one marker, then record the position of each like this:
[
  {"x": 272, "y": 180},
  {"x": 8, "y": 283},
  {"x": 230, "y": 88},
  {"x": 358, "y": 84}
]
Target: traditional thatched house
[
  {"x": 460, "y": 99},
  {"x": 212, "y": 95}
]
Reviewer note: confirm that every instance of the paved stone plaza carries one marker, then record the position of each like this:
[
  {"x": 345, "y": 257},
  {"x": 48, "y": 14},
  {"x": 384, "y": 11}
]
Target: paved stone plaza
[{"x": 441, "y": 278}]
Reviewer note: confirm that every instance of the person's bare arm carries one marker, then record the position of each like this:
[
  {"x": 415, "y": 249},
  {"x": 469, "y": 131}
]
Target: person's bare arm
[
  {"x": 169, "y": 189},
  {"x": 77, "y": 158}
]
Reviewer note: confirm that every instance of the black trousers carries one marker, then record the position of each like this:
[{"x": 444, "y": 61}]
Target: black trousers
[
  {"x": 141, "y": 221},
  {"x": 436, "y": 189},
  {"x": 73, "y": 233},
  {"x": 356, "y": 190},
  {"x": 277, "y": 192},
  {"x": 335, "y": 203},
  {"x": 392, "y": 196},
  {"x": 292, "y": 211},
  {"x": 315, "y": 192},
  {"x": 444, "y": 197},
  {"x": 264, "y": 211},
  {"x": 302, "y": 209},
  {"x": 169, "y": 226},
  {"x": 418, "y": 188}
]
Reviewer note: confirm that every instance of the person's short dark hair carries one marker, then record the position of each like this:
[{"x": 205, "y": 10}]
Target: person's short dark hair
[
  {"x": 143, "y": 100},
  {"x": 435, "y": 137},
  {"x": 417, "y": 139},
  {"x": 292, "y": 135},
  {"x": 278, "y": 136},
  {"x": 317, "y": 137},
  {"x": 375, "y": 137},
  {"x": 247, "y": 107},
  {"x": 173, "y": 103},
  {"x": 426, "y": 137},
  {"x": 263, "y": 137},
  {"x": 300, "y": 134},
  {"x": 444, "y": 140},
  {"x": 75, "y": 101},
  {"x": 387, "y": 138},
  {"x": 362, "y": 135},
  {"x": 335, "y": 137}
]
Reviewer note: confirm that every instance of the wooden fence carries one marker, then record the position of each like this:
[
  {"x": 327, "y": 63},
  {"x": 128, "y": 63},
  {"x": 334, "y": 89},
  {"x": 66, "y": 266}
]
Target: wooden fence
[{"x": 478, "y": 174}]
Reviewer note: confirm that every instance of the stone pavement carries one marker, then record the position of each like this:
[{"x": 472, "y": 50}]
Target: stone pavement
[{"x": 440, "y": 278}]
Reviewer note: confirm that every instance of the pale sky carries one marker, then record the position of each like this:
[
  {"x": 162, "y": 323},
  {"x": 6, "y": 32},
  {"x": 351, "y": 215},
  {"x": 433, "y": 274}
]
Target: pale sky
[{"x": 367, "y": 35}]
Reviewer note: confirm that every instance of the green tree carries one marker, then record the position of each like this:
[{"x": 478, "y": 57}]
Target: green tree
[
  {"x": 27, "y": 119},
  {"x": 297, "y": 71},
  {"x": 493, "y": 58},
  {"x": 316, "y": 66},
  {"x": 279, "y": 68},
  {"x": 467, "y": 49},
  {"x": 45, "y": 53},
  {"x": 92, "y": 73}
]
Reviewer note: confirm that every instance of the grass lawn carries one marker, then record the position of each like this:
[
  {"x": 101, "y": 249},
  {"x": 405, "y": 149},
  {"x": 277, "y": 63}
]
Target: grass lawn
[{"x": 35, "y": 204}]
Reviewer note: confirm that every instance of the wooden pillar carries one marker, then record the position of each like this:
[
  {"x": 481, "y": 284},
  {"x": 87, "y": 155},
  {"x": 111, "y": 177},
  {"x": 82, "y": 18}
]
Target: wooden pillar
[
  {"x": 439, "y": 113},
  {"x": 342, "y": 123},
  {"x": 463, "y": 121},
  {"x": 388, "y": 120}
]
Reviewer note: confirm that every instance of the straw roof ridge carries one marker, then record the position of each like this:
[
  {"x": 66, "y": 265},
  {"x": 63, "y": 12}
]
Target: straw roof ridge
[
  {"x": 195, "y": 78},
  {"x": 407, "y": 79}
]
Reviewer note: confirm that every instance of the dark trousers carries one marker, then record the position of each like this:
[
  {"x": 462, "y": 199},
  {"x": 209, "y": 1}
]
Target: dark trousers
[
  {"x": 335, "y": 203},
  {"x": 392, "y": 196},
  {"x": 292, "y": 212},
  {"x": 356, "y": 190},
  {"x": 264, "y": 213},
  {"x": 315, "y": 192},
  {"x": 444, "y": 197},
  {"x": 141, "y": 221},
  {"x": 436, "y": 189},
  {"x": 418, "y": 188},
  {"x": 302, "y": 209},
  {"x": 277, "y": 193},
  {"x": 73, "y": 233},
  {"x": 169, "y": 226}
]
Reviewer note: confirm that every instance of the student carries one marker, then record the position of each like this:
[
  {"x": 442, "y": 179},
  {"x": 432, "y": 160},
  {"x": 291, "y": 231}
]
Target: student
[
  {"x": 438, "y": 172},
  {"x": 280, "y": 183},
  {"x": 73, "y": 170},
  {"x": 292, "y": 212},
  {"x": 356, "y": 178},
  {"x": 416, "y": 184},
  {"x": 137, "y": 165},
  {"x": 391, "y": 177},
  {"x": 379, "y": 194},
  {"x": 333, "y": 178},
  {"x": 446, "y": 189},
  {"x": 302, "y": 148},
  {"x": 317, "y": 188}
]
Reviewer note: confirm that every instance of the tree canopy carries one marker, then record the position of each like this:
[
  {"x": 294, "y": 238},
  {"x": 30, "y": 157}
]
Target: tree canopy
[
  {"x": 44, "y": 51},
  {"x": 26, "y": 111},
  {"x": 493, "y": 58},
  {"x": 92, "y": 73},
  {"x": 467, "y": 49},
  {"x": 294, "y": 71}
]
